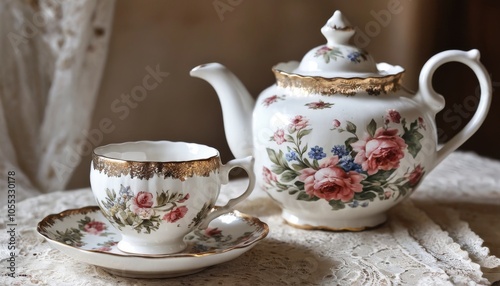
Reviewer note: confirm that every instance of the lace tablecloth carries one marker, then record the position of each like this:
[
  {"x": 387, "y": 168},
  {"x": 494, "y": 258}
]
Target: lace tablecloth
[{"x": 448, "y": 233}]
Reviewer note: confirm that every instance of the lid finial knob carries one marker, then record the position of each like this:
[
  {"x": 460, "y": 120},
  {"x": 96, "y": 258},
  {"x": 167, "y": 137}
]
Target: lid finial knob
[{"x": 337, "y": 30}]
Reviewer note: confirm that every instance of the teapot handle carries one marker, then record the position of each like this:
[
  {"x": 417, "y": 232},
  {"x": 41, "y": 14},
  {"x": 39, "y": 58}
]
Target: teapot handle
[{"x": 436, "y": 102}]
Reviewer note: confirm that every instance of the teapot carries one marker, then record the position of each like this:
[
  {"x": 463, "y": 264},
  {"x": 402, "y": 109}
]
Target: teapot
[{"x": 338, "y": 140}]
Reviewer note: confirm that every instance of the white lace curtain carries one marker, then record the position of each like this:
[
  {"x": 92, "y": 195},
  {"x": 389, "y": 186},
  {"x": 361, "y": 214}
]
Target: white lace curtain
[{"x": 52, "y": 56}]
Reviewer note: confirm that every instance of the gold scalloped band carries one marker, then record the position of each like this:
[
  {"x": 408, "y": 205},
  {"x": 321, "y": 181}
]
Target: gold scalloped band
[
  {"x": 146, "y": 170},
  {"x": 332, "y": 86}
]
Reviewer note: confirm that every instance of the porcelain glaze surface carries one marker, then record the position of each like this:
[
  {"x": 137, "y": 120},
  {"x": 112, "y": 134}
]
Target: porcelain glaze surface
[
  {"x": 154, "y": 193},
  {"x": 338, "y": 140}
]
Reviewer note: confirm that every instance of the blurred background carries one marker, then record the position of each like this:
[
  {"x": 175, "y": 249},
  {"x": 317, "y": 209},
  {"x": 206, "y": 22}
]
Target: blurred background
[{"x": 249, "y": 37}]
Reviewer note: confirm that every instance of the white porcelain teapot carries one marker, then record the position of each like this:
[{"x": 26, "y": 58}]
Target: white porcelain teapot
[{"x": 337, "y": 140}]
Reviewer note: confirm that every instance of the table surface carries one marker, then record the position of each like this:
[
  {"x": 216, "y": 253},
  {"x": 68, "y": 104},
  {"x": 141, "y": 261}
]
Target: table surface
[{"x": 447, "y": 233}]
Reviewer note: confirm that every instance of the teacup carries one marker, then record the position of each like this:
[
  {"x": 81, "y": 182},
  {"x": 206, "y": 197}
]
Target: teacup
[{"x": 156, "y": 192}]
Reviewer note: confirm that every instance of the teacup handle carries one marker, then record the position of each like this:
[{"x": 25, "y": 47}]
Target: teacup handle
[
  {"x": 247, "y": 165},
  {"x": 435, "y": 102}
]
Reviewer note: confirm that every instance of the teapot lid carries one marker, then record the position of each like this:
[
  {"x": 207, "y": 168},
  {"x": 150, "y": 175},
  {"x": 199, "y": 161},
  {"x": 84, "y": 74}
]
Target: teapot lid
[{"x": 339, "y": 66}]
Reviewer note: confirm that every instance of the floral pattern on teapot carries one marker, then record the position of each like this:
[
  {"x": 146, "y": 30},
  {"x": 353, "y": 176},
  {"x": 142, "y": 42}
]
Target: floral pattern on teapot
[
  {"x": 319, "y": 105},
  {"x": 352, "y": 174},
  {"x": 311, "y": 105},
  {"x": 355, "y": 56},
  {"x": 272, "y": 99}
]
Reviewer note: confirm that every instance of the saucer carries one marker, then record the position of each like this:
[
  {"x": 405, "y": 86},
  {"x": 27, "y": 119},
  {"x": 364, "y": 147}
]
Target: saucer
[{"x": 87, "y": 236}]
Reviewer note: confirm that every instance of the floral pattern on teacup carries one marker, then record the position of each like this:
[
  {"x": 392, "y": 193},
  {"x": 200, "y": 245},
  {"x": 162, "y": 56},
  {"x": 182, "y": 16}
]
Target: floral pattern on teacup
[
  {"x": 142, "y": 211},
  {"x": 352, "y": 174}
]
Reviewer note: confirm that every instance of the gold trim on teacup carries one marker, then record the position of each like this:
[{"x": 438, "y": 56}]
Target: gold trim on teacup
[
  {"x": 338, "y": 85},
  {"x": 146, "y": 170}
]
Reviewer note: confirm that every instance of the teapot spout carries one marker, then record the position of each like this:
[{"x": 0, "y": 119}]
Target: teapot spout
[{"x": 237, "y": 106}]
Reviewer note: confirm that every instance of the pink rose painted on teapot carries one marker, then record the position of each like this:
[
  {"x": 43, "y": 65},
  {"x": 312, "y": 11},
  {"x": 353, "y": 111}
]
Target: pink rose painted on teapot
[
  {"x": 383, "y": 151},
  {"x": 331, "y": 182}
]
